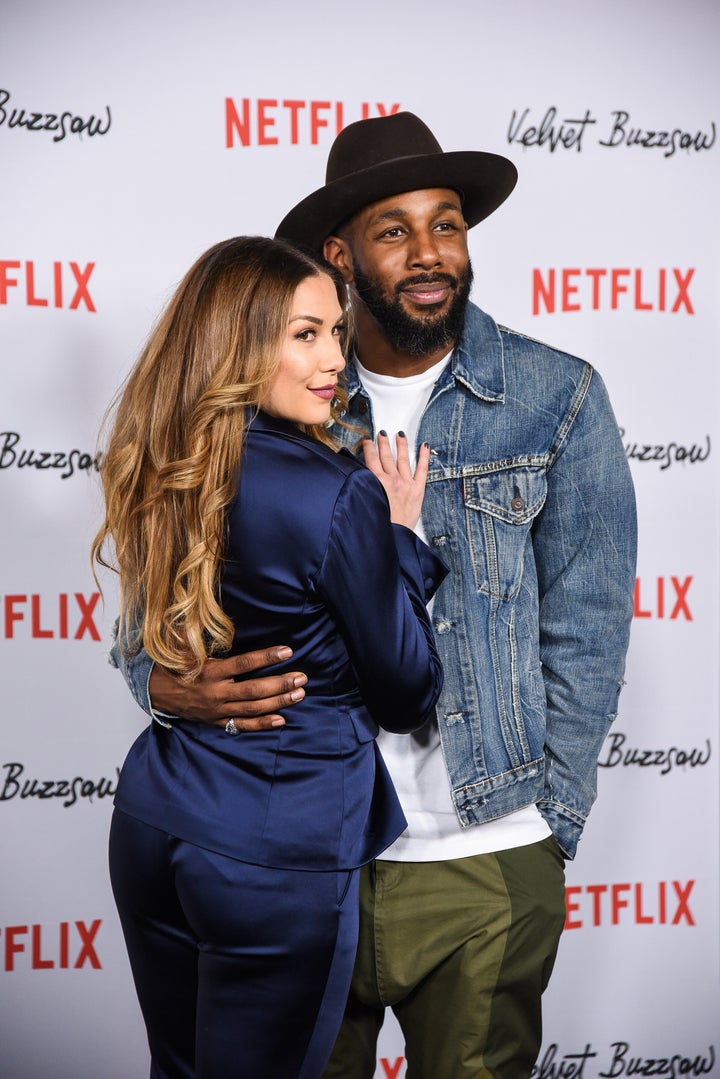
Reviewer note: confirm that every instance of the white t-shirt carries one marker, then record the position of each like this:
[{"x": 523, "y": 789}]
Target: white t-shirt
[{"x": 415, "y": 761}]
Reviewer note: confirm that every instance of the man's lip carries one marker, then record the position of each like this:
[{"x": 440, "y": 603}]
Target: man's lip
[{"x": 428, "y": 294}]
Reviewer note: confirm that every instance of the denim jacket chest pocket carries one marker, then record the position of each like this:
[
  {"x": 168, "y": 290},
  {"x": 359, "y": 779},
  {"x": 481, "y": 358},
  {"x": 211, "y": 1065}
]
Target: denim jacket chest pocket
[{"x": 500, "y": 507}]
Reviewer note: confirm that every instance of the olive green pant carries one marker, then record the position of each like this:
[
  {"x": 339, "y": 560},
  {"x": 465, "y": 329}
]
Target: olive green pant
[{"x": 461, "y": 951}]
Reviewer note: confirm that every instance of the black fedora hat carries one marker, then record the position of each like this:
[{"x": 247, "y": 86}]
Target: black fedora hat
[{"x": 374, "y": 159}]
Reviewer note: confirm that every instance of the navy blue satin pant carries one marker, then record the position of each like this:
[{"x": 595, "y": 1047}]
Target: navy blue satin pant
[{"x": 240, "y": 970}]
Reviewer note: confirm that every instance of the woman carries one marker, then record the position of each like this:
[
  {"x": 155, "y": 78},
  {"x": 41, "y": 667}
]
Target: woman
[{"x": 235, "y": 524}]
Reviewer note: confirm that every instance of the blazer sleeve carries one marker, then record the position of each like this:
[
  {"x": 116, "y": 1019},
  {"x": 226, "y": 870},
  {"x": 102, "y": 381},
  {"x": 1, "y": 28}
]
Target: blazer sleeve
[{"x": 376, "y": 579}]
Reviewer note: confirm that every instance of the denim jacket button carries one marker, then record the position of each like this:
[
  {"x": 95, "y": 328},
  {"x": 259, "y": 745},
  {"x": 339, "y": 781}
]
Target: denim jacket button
[
  {"x": 517, "y": 503},
  {"x": 363, "y": 406}
]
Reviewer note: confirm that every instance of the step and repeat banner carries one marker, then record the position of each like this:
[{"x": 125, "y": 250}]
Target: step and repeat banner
[{"x": 133, "y": 137}]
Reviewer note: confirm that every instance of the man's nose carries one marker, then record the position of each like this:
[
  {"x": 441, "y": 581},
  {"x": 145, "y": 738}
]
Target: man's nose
[{"x": 424, "y": 251}]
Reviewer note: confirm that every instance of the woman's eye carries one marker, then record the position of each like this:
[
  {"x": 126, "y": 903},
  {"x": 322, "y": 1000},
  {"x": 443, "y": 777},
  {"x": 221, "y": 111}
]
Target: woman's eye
[{"x": 305, "y": 335}]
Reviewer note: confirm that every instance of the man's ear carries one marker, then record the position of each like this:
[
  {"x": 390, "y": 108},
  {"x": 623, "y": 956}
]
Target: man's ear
[{"x": 337, "y": 253}]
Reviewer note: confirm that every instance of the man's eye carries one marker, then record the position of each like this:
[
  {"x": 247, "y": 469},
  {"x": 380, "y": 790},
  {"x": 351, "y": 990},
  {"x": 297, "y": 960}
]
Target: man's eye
[{"x": 393, "y": 232}]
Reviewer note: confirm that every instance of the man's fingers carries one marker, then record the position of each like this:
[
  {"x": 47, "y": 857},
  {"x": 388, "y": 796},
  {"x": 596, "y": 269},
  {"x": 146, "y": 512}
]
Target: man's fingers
[
  {"x": 245, "y": 663},
  {"x": 217, "y": 695},
  {"x": 262, "y": 723},
  {"x": 251, "y": 699},
  {"x": 281, "y": 687},
  {"x": 254, "y": 710}
]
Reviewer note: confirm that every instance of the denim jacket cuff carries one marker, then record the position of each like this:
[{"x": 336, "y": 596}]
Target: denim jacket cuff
[
  {"x": 565, "y": 825},
  {"x": 136, "y": 671}
]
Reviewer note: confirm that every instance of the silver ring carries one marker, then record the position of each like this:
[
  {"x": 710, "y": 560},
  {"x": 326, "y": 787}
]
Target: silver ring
[{"x": 231, "y": 728}]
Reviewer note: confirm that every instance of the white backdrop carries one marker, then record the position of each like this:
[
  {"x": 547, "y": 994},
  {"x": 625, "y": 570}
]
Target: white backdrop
[{"x": 131, "y": 138}]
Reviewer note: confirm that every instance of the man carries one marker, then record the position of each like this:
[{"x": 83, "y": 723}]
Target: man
[{"x": 530, "y": 503}]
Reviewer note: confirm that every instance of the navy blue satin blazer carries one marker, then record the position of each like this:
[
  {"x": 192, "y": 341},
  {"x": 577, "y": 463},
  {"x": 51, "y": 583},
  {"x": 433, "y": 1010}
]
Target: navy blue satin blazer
[{"x": 312, "y": 561}]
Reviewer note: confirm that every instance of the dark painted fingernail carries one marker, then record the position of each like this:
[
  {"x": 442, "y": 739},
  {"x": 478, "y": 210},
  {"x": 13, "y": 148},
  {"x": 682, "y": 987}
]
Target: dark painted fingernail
[
  {"x": 383, "y": 433},
  {"x": 401, "y": 434}
]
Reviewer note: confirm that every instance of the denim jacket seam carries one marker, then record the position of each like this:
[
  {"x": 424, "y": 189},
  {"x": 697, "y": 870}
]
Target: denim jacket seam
[{"x": 571, "y": 414}]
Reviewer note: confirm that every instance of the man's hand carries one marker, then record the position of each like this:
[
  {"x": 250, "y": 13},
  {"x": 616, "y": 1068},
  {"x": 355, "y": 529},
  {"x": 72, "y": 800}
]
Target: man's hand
[{"x": 216, "y": 697}]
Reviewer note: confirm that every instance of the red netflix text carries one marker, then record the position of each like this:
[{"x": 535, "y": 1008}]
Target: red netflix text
[
  {"x": 663, "y": 597},
  {"x": 269, "y": 121},
  {"x": 67, "y": 946},
  {"x": 64, "y": 617},
  {"x": 391, "y": 1068},
  {"x": 599, "y": 289},
  {"x": 663, "y": 903},
  {"x": 55, "y": 284}
]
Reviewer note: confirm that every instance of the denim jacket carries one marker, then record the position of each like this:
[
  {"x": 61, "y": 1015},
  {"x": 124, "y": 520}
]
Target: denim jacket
[{"x": 530, "y": 504}]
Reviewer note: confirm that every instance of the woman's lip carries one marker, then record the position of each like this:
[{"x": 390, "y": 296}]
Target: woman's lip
[{"x": 325, "y": 392}]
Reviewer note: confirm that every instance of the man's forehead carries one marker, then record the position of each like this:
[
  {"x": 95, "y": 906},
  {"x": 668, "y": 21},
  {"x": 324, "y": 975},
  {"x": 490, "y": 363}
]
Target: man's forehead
[{"x": 422, "y": 200}]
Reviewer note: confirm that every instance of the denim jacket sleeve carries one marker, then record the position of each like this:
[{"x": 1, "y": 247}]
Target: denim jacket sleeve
[
  {"x": 136, "y": 670},
  {"x": 585, "y": 550}
]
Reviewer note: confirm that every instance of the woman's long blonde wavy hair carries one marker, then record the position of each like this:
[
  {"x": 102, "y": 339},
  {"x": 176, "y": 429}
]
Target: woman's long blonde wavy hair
[{"x": 174, "y": 451}]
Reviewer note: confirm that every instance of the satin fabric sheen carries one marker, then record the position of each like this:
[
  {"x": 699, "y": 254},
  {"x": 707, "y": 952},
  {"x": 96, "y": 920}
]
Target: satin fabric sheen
[{"x": 312, "y": 562}]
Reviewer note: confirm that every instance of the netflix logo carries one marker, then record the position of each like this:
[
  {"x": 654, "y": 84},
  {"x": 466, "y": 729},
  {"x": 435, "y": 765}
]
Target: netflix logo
[
  {"x": 56, "y": 284},
  {"x": 270, "y": 121},
  {"x": 67, "y": 616},
  {"x": 612, "y": 289},
  {"x": 66, "y": 946},
  {"x": 661, "y": 903},
  {"x": 662, "y": 597}
]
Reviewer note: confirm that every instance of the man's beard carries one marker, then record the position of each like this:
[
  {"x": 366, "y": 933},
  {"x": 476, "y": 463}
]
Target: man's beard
[{"x": 415, "y": 335}]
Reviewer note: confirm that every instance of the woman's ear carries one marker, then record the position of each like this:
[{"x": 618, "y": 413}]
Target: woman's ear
[{"x": 337, "y": 253}]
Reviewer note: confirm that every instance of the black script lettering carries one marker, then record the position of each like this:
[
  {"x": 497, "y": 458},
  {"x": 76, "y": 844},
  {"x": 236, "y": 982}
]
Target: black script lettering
[
  {"x": 11, "y": 787},
  {"x": 65, "y": 463},
  {"x": 63, "y": 123},
  {"x": 569, "y": 1066},
  {"x": 70, "y": 791},
  {"x": 666, "y": 454},
  {"x": 665, "y": 760},
  {"x": 669, "y": 1067},
  {"x": 667, "y": 141},
  {"x": 548, "y": 133}
]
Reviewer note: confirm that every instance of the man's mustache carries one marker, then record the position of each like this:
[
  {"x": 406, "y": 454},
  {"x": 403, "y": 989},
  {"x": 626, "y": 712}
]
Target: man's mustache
[{"x": 427, "y": 279}]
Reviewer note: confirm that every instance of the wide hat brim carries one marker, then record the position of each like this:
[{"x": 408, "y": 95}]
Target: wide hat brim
[{"x": 483, "y": 181}]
